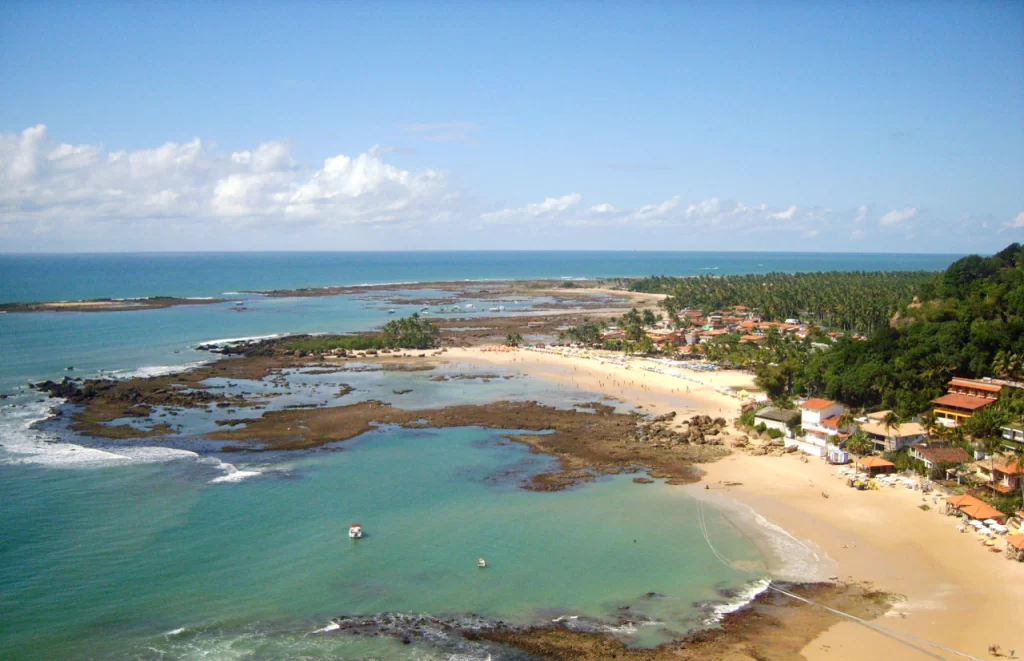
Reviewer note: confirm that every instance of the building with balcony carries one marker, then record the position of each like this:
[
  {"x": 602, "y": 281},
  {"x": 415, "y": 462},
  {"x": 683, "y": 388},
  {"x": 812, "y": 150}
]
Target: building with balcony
[
  {"x": 1013, "y": 434},
  {"x": 892, "y": 439},
  {"x": 963, "y": 399},
  {"x": 820, "y": 421}
]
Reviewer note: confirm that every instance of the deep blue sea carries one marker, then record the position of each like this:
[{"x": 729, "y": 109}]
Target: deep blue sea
[
  {"x": 146, "y": 552},
  {"x": 60, "y": 277}
]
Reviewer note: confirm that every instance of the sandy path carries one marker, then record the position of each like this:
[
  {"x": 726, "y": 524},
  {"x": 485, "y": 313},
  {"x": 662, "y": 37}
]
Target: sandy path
[{"x": 957, "y": 594}]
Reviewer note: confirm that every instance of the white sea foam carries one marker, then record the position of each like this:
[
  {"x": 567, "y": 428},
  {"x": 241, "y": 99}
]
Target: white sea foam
[
  {"x": 231, "y": 472},
  {"x": 156, "y": 370},
  {"x": 238, "y": 340},
  {"x": 801, "y": 560},
  {"x": 741, "y": 600},
  {"x": 24, "y": 445},
  {"x": 175, "y": 632},
  {"x": 331, "y": 626},
  {"x": 787, "y": 557}
]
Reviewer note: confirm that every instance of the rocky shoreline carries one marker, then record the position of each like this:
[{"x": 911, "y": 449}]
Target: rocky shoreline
[
  {"x": 771, "y": 627},
  {"x": 589, "y": 440}
]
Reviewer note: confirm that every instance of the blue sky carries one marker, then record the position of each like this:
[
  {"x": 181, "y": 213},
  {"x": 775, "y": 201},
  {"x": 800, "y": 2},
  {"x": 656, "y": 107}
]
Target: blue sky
[{"x": 782, "y": 126}]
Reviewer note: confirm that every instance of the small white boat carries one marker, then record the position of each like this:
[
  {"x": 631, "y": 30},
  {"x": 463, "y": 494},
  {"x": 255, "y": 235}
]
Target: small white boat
[
  {"x": 391, "y": 311},
  {"x": 469, "y": 305},
  {"x": 481, "y": 563},
  {"x": 355, "y": 531}
]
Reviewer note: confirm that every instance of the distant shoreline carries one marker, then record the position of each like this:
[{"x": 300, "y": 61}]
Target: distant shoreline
[{"x": 107, "y": 304}]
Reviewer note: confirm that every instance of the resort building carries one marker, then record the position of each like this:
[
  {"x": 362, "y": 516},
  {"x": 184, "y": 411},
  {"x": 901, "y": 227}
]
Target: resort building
[
  {"x": 892, "y": 439},
  {"x": 938, "y": 456},
  {"x": 820, "y": 421},
  {"x": 780, "y": 419},
  {"x": 963, "y": 399},
  {"x": 1014, "y": 434}
]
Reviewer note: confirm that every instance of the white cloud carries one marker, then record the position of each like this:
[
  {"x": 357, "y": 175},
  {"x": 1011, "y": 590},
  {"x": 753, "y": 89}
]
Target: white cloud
[
  {"x": 551, "y": 206},
  {"x": 50, "y": 185},
  {"x": 1016, "y": 222},
  {"x": 784, "y": 215},
  {"x": 705, "y": 208},
  {"x": 707, "y": 216},
  {"x": 862, "y": 213},
  {"x": 898, "y": 216}
]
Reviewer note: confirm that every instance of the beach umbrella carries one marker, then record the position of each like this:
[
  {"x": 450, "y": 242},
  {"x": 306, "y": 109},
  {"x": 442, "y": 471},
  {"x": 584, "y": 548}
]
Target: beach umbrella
[
  {"x": 989, "y": 522},
  {"x": 975, "y": 523}
]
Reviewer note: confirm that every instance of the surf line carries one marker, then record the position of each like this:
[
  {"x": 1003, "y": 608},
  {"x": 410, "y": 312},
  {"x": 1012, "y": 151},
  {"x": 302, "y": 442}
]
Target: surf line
[{"x": 898, "y": 636}]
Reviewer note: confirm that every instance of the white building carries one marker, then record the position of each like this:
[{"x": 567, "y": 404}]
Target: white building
[
  {"x": 820, "y": 421},
  {"x": 780, "y": 419},
  {"x": 895, "y": 438}
]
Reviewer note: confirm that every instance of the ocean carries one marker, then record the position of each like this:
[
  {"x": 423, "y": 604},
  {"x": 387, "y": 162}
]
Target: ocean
[{"x": 133, "y": 551}]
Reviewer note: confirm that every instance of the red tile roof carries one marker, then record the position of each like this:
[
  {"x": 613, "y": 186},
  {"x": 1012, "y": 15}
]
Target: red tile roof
[
  {"x": 832, "y": 422},
  {"x": 977, "y": 385},
  {"x": 874, "y": 462},
  {"x": 942, "y": 455},
  {"x": 816, "y": 404},
  {"x": 1014, "y": 467},
  {"x": 962, "y": 401}
]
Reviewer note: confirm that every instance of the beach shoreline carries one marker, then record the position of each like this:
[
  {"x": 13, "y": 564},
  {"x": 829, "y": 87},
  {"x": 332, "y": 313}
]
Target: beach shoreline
[{"x": 953, "y": 592}]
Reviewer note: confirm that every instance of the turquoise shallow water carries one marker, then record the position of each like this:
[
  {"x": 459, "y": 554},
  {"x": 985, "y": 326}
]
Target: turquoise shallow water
[
  {"x": 148, "y": 553},
  {"x": 102, "y": 563}
]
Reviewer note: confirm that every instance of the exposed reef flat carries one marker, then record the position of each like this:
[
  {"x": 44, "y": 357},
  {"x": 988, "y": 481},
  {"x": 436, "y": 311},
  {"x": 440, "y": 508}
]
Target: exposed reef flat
[
  {"x": 588, "y": 440},
  {"x": 108, "y": 304},
  {"x": 772, "y": 627}
]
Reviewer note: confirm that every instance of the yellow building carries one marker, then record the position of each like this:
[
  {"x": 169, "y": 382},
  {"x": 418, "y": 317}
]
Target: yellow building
[{"x": 965, "y": 397}]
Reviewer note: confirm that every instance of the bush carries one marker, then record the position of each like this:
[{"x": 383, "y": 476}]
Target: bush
[{"x": 775, "y": 433}]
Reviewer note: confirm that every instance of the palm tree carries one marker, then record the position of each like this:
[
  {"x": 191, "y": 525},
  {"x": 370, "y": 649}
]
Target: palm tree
[
  {"x": 1000, "y": 363},
  {"x": 890, "y": 421}
]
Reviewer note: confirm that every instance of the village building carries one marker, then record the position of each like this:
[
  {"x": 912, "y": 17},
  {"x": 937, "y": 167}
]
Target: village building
[
  {"x": 780, "y": 419},
  {"x": 820, "y": 421},
  {"x": 1014, "y": 434},
  {"x": 1007, "y": 476},
  {"x": 892, "y": 439},
  {"x": 963, "y": 399},
  {"x": 933, "y": 456},
  {"x": 973, "y": 508}
]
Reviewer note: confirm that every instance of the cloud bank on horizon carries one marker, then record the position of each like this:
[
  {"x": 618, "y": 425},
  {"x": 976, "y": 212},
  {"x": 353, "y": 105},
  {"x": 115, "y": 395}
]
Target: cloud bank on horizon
[{"x": 62, "y": 192}]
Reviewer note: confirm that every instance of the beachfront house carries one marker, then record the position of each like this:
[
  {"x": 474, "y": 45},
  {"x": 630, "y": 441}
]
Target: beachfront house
[
  {"x": 780, "y": 419},
  {"x": 964, "y": 398},
  {"x": 1006, "y": 476},
  {"x": 933, "y": 456},
  {"x": 820, "y": 421},
  {"x": 892, "y": 439}
]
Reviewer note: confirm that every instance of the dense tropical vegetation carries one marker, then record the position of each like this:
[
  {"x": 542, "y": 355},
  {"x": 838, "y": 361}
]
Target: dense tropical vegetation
[
  {"x": 970, "y": 324},
  {"x": 411, "y": 332},
  {"x": 852, "y": 301}
]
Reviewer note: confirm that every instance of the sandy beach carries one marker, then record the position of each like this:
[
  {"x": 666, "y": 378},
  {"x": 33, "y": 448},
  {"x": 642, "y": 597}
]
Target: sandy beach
[{"x": 956, "y": 593}]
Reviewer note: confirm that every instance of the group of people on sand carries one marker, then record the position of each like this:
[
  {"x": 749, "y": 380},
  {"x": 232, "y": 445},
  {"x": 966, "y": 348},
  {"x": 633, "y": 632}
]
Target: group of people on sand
[{"x": 995, "y": 650}]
